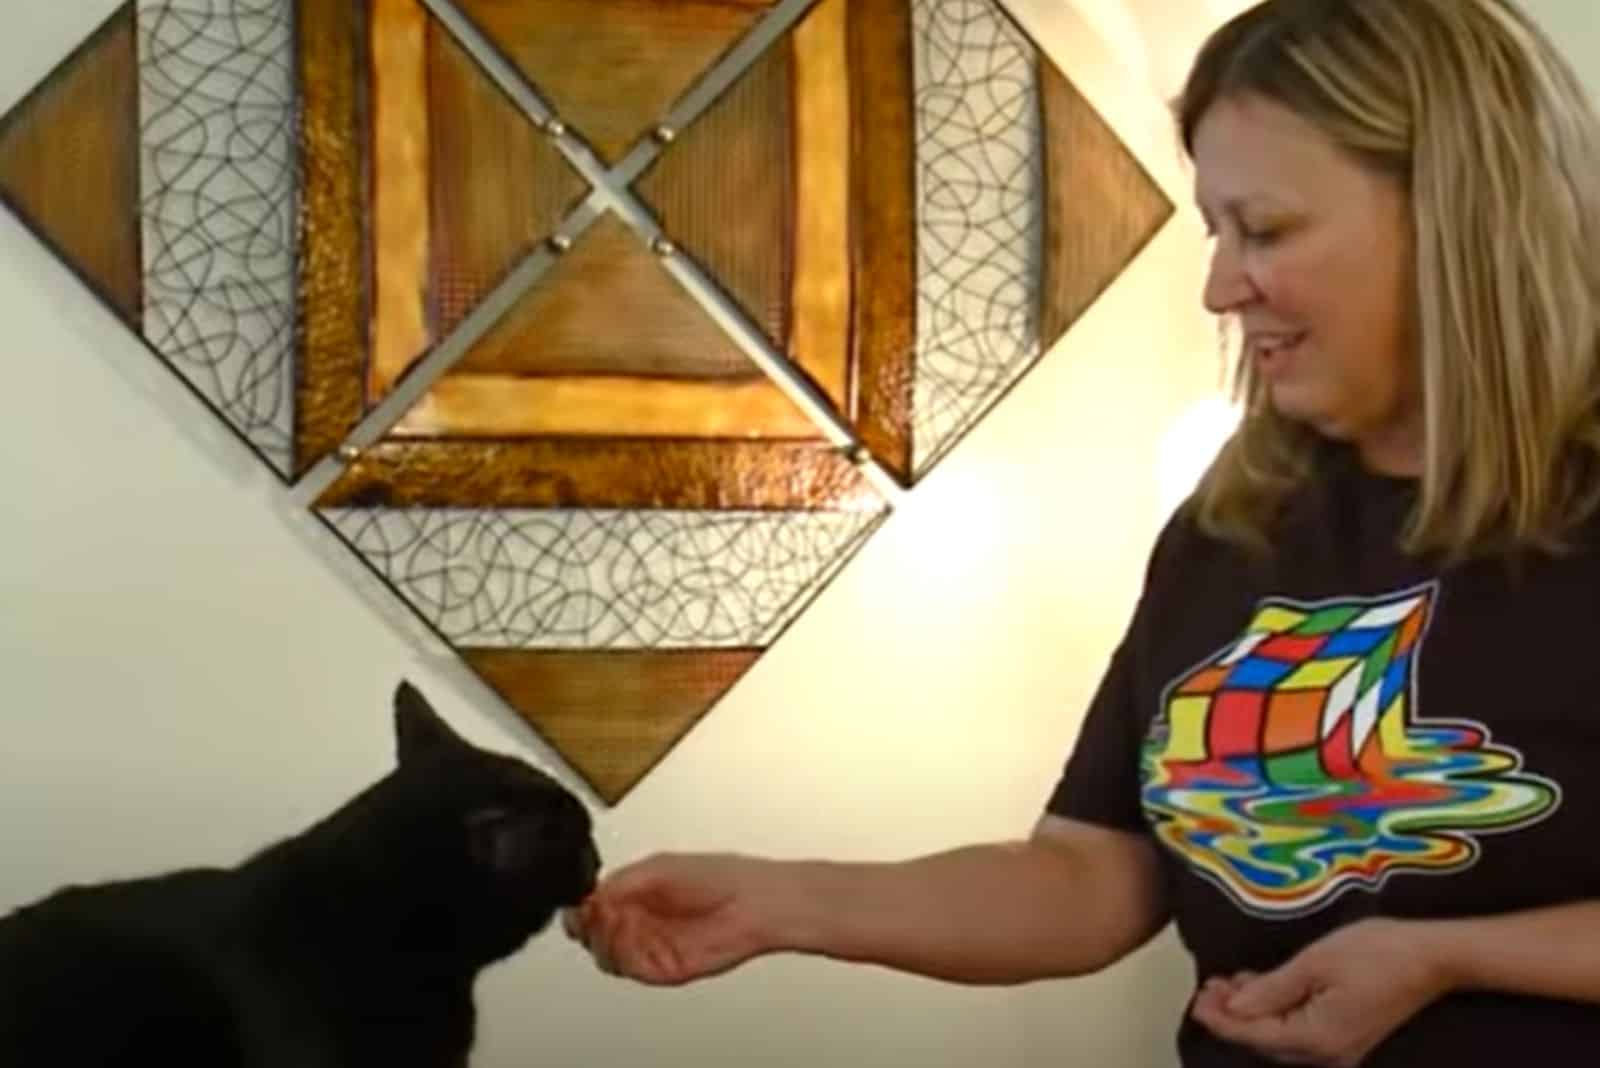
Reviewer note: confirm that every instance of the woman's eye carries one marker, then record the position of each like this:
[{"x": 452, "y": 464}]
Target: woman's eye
[{"x": 1261, "y": 237}]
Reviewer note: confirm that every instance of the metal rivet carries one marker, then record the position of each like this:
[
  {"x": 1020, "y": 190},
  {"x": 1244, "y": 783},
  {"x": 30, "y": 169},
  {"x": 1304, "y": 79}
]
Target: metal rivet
[
  {"x": 349, "y": 453},
  {"x": 665, "y": 134},
  {"x": 858, "y": 455},
  {"x": 560, "y": 243},
  {"x": 663, "y": 247},
  {"x": 555, "y": 127}
]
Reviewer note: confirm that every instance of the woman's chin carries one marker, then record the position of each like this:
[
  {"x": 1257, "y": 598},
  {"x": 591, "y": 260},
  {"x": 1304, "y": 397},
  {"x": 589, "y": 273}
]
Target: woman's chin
[{"x": 1303, "y": 406}]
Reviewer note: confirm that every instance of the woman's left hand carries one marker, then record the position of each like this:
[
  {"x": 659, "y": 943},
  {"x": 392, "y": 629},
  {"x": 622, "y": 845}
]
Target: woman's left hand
[{"x": 1333, "y": 1002}]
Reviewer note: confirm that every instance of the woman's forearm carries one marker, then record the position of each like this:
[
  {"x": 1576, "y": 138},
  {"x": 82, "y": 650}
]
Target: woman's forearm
[
  {"x": 1549, "y": 952},
  {"x": 1003, "y": 913}
]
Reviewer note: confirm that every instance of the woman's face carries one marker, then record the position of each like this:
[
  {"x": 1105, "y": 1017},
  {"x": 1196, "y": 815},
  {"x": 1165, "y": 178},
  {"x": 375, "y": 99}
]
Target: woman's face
[{"x": 1313, "y": 255}]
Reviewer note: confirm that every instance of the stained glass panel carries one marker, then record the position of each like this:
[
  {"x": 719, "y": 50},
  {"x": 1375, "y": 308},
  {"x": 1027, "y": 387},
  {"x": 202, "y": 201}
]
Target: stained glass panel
[{"x": 602, "y": 400}]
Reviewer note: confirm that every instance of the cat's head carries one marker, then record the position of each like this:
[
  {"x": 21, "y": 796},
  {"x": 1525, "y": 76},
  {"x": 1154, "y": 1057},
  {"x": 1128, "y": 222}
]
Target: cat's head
[{"x": 478, "y": 849}]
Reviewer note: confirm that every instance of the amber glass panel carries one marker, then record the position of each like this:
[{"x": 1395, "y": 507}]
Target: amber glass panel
[
  {"x": 464, "y": 187},
  {"x": 883, "y": 184},
  {"x": 607, "y": 344},
  {"x": 608, "y": 307},
  {"x": 69, "y": 163},
  {"x": 611, "y": 715},
  {"x": 401, "y": 330},
  {"x": 603, "y": 474},
  {"x": 498, "y": 406},
  {"x": 333, "y": 292},
  {"x": 1101, "y": 207},
  {"x": 724, "y": 191},
  {"x": 819, "y": 327},
  {"x": 613, "y": 69},
  {"x": 500, "y": 186}
]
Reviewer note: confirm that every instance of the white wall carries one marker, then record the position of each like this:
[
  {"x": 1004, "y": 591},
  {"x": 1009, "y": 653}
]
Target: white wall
[
  {"x": 190, "y": 669},
  {"x": 1575, "y": 27}
]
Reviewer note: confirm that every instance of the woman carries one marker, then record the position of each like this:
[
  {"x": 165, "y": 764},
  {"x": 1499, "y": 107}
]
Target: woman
[{"x": 1346, "y": 741}]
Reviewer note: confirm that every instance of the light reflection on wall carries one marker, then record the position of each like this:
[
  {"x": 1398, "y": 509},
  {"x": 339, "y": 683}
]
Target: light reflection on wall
[{"x": 1188, "y": 447}]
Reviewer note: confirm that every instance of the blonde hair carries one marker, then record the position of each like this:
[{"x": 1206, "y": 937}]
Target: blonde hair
[{"x": 1471, "y": 108}]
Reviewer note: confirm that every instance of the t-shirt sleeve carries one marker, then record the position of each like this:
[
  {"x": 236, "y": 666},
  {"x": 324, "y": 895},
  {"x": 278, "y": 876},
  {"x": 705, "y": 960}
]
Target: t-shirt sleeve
[{"x": 1100, "y": 783}]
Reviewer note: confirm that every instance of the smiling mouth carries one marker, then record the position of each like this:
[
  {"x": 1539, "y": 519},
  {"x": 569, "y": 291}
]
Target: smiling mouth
[{"x": 1270, "y": 351}]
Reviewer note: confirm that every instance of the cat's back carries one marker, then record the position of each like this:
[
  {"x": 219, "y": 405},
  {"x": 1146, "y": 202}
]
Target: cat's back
[{"x": 118, "y": 974}]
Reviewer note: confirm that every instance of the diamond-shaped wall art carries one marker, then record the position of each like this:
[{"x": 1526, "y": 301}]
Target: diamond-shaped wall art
[{"x": 651, "y": 290}]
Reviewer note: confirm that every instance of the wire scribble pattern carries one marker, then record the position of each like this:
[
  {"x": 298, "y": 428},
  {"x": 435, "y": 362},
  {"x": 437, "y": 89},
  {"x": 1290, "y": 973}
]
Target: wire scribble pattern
[
  {"x": 603, "y": 579},
  {"x": 219, "y": 169},
  {"x": 980, "y": 225}
]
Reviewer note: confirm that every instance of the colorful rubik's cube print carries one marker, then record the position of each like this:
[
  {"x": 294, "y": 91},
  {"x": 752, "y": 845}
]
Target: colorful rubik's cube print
[
  {"x": 1293, "y": 765},
  {"x": 1311, "y": 693}
]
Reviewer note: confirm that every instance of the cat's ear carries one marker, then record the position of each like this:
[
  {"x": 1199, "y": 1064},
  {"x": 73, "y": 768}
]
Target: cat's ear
[{"x": 418, "y": 730}]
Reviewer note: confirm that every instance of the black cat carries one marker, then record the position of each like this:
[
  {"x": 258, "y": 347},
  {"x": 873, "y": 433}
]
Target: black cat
[{"x": 353, "y": 944}]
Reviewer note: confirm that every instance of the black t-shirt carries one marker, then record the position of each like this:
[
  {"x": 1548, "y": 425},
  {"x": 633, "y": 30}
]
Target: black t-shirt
[{"x": 1339, "y": 730}]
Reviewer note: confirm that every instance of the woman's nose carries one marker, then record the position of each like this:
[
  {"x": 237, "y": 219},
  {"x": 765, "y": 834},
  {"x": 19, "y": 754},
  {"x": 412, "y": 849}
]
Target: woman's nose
[{"x": 1227, "y": 284}]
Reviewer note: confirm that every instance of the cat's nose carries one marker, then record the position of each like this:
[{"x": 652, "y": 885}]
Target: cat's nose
[
  {"x": 565, "y": 821},
  {"x": 589, "y": 865}
]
